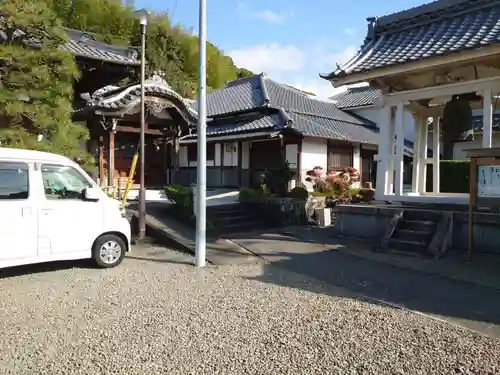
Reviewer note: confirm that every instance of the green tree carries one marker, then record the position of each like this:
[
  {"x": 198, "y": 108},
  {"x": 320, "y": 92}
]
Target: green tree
[
  {"x": 169, "y": 48},
  {"x": 243, "y": 73},
  {"x": 36, "y": 81}
]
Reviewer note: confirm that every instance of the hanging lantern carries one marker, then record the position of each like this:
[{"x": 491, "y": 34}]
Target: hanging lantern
[{"x": 457, "y": 120}]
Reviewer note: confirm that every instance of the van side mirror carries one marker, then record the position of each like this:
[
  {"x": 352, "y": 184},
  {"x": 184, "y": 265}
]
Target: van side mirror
[{"x": 91, "y": 194}]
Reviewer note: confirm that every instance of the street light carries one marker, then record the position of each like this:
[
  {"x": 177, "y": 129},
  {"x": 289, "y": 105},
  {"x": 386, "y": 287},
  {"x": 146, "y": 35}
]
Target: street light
[
  {"x": 142, "y": 15},
  {"x": 201, "y": 180}
]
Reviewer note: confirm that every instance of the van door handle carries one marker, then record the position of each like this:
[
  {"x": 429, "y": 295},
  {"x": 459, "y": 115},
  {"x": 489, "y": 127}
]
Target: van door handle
[
  {"x": 26, "y": 211},
  {"x": 46, "y": 211}
]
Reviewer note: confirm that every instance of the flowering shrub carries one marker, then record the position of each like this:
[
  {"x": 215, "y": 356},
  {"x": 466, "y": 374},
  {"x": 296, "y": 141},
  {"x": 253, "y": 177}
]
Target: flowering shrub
[
  {"x": 350, "y": 175},
  {"x": 333, "y": 184}
]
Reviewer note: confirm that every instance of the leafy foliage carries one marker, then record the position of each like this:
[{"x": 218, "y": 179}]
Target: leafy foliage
[
  {"x": 299, "y": 192},
  {"x": 181, "y": 197},
  {"x": 169, "y": 48},
  {"x": 454, "y": 176},
  {"x": 277, "y": 179},
  {"x": 36, "y": 82},
  {"x": 37, "y": 76}
]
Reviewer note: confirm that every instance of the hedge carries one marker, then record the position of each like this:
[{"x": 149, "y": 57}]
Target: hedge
[{"x": 454, "y": 176}]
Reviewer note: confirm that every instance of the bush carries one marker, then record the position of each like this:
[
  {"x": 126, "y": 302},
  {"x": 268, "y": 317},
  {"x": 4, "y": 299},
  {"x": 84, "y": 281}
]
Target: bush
[
  {"x": 247, "y": 194},
  {"x": 299, "y": 192},
  {"x": 454, "y": 176},
  {"x": 277, "y": 179},
  {"x": 181, "y": 197}
]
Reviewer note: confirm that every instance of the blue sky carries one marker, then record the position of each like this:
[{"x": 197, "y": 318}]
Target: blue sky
[{"x": 291, "y": 40}]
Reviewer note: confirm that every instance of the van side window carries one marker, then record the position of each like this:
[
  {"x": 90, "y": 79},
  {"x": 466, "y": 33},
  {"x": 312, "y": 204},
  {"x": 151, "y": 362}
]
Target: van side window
[
  {"x": 14, "y": 180},
  {"x": 63, "y": 182}
]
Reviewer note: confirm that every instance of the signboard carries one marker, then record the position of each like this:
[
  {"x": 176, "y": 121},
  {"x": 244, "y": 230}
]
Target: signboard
[{"x": 488, "y": 181}]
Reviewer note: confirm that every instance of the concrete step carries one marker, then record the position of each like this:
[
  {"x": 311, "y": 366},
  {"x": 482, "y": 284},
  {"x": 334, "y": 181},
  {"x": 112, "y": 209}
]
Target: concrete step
[
  {"x": 422, "y": 215},
  {"x": 409, "y": 246},
  {"x": 418, "y": 225},
  {"x": 413, "y": 235}
]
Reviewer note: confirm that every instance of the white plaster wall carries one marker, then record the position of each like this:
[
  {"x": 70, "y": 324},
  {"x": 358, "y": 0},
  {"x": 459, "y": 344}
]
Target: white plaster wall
[
  {"x": 230, "y": 154},
  {"x": 217, "y": 161},
  {"x": 183, "y": 156},
  {"x": 245, "y": 155},
  {"x": 372, "y": 114},
  {"x": 314, "y": 153},
  {"x": 291, "y": 155},
  {"x": 356, "y": 161}
]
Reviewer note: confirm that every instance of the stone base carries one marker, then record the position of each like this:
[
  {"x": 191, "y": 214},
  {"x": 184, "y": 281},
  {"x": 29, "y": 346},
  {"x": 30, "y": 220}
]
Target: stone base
[{"x": 369, "y": 222}]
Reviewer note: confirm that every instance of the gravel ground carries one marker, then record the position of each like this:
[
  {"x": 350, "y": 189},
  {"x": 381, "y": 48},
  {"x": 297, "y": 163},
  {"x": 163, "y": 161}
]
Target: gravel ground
[{"x": 162, "y": 316}]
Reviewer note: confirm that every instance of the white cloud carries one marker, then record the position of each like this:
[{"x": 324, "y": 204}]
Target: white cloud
[
  {"x": 266, "y": 15},
  {"x": 274, "y": 17},
  {"x": 350, "y": 31},
  {"x": 271, "y": 58},
  {"x": 294, "y": 66}
]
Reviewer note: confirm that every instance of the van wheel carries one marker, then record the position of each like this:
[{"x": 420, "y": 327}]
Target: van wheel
[{"x": 108, "y": 251}]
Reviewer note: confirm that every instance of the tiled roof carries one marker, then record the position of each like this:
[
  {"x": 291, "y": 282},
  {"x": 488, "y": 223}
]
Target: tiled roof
[
  {"x": 356, "y": 97},
  {"x": 116, "y": 98},
  {"x": 237, "y": 96},
  {"x": 316, "y": 126},
  {"x": 84, "y": 45},
  {"x": 298, "y": 111},
  {"x": 265, "y": 122},
  {"x": 434, "y": 29}
]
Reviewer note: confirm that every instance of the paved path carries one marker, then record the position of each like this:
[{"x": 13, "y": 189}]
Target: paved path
[
  {"x": 174, "y": 233},
  {"x": 466, "y": 304}
]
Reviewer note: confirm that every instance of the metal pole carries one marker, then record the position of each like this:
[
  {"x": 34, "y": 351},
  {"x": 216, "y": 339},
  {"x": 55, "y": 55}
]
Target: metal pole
[
  {"x": 201, "y": 181},
  {"x": 142, "y": 189}
]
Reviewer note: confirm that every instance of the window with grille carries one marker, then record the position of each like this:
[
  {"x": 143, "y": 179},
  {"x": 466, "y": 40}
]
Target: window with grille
[{"x": 339, "y": 157}]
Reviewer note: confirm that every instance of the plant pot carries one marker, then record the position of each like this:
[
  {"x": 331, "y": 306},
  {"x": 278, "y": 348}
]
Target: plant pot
[
  {"x": 323, "y": 217},
  {"x": 367, "y": 194}
]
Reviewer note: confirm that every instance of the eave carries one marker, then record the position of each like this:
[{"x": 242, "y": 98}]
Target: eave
[{"x": 338, "y": 79}]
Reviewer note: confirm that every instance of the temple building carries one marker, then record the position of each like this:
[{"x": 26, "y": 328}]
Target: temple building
[{"x": 438, "y": 61}]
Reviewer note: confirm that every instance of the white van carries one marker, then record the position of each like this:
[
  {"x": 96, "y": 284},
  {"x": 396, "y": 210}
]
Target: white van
[{"x": 50, "y": 209}]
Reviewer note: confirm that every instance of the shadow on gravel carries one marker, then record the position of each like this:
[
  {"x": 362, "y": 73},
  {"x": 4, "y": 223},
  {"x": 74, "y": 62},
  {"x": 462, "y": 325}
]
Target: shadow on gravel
[
  {"x": 46, "y": 267},
  {"x": 466, "y": 304}
]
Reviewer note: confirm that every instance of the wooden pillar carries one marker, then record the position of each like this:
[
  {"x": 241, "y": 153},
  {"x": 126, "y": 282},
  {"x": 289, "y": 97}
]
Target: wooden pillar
[
  {"x": 390, "y": 153},
  {"x": 416, "y": 153},
  {"x": 101, "y": 160},
  {"x": 384, "y": 149},
  {"x": 400, "y": 148},
  {"x": 487, "y": 118},
  {"x": 111, "y": 159},
  {"x": 176, "y": 148},
  {"x": 436, "y": 130},
  {"x": 422, "y": 173}
]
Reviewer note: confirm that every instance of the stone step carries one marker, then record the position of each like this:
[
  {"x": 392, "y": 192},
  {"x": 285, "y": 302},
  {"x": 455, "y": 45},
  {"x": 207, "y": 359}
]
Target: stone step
[
  {"x": 407, "y": 245},
  {"x": 227, "y": 214},
  {"x": 413, "y": 235},
  {"x": 418, "y": 225},
  {"x": 422, "y": 215}
]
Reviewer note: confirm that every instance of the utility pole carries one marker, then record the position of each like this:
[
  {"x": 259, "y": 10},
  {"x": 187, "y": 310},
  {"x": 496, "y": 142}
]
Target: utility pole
[
  {"x": 142, "y": 14},
  {"x": 201, "y": 181}
]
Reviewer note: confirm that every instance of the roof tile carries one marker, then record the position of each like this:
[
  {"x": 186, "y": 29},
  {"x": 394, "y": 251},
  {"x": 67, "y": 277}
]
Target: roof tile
[
  {"x": 316, "y": 126},
  {"x": 463, "y": 25},
  {"x": 356, "y": 97},
  {"x": 83, "y": 45}
]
